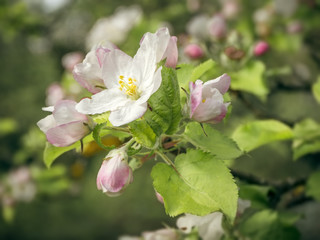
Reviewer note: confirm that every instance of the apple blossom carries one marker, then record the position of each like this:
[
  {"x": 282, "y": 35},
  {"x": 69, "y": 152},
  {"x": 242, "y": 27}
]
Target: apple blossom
[
  {"x": 65, "y": 125},
  {"x": 115, "y": 173},
  {"x": 129, "y": 82},
  {"x": 89, "y": 73},
  {"x": 206, "y": 100},
  {"x": 114, "y": 28},
  {"x": 217, "y": 27},
  {"x": 161, "y": 234},
  {"x": 55, "y": 93},
  {"x": 195, "y": 27},
  {"x": 209, "y": 226},
  {"x": 71, "y": 59}
]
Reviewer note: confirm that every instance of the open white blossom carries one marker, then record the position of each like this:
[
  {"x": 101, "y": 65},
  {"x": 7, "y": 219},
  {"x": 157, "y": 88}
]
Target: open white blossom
[{"x": 129, "y": 81}]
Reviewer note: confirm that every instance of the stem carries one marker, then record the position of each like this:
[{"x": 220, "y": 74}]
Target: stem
[
  {"x": 166, "y": 160},
  {"x": 129, "y": 143}
]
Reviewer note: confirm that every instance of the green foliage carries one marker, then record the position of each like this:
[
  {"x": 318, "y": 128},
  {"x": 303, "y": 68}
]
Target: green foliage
[
  {"x": 97, "y": 136},
  {"x": 254, "y": 134},
  {"x": 313, "y": 189},
  {"x": 306, "y": 138},
  {"x": 201, "y": 69},
  {"x": 258, "y": 195},
  {"x": 316, "y": 89},
  {"x": 7, "y": 126},
  {"x": 143, "y": 133},
  {"x": 199, "y": 185},
  {"x": 268, "y": 224},
  {"x": 250, "y": 79},
  {"x": 165, "y": 113},
  {"x": 211, "y": 140}
]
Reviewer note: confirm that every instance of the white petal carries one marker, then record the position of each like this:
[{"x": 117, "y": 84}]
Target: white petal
[
  {"x": 116, "y": 63},
  {"x": 65, "y": 112},
  {"x": 46, "y": 123},
  {"x": 221, "y": 83},
  {"x": 48, "y": 109},
  {"x": 127, "y": 114},
  {"x": 106, "y": 100}
]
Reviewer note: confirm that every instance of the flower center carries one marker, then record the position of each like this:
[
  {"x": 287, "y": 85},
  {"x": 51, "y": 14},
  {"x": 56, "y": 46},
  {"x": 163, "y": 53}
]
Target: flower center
[{"x": 129, "y": 87}]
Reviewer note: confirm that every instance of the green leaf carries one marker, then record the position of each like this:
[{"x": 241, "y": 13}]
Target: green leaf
[
  {"x": 250, "y": 79},
  {"x": 97, "y": 137},
  {"x": 266, "y": 225},
  {"x": 219, "y": 145},
  {"x": 313, "y": 189},
  {"x": 201, "y": 69},
  {"x": 202, "y": 184},
  {"x": 257, "y": 133},
  {"x": 165, "y": 113},
  {"x": 7, "y": 126},
  {"x": 184, "y": 71},
  {"x": 143, "y": 133},
  {"x": 316, "y": 89},
  {"x": 306, "y": 138},
  {"x": 101, "y": 118}
]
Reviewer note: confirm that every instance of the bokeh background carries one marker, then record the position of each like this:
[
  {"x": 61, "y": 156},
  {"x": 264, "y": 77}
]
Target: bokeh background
[{"x": 34, "y": 37}]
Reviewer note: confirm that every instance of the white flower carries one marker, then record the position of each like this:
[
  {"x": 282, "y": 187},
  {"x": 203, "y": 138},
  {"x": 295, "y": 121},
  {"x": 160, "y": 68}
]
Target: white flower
[
  {"x": 129, "y": 81},
  {"x": 114, "y": 28},
  {"x": 209, "y": 226}
]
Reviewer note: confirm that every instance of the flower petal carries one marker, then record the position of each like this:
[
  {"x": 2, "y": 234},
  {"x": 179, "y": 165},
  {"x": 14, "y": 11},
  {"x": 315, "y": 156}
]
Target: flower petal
[
  {"x": 221, "y": 83},
  {"x": 171, "y": 53},
  {"x": 106, "y": 100},
  {"x": 127, "y": 114},
  {"x": 46, "y": 123},
  {"x": 195, "y": 95},
  {"x": 116, "y": 63},
  {"x": 65, "y": 112},
  {"x": 67, "y": 134}
]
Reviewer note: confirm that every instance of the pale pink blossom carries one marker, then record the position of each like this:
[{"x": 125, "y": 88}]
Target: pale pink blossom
[
  {"x": 193, "y": 51},
  {"x": 69, "y": 60},
  {"x": 55, "y": 93},
  {"x": 209, "y": 227},
  {"x": 89, "y": 73},
  {"x": 206, "y": 99},
  {"x": 230, "y": 8},
  {"x": 115, "y": 173},
  {"x": 129, "y": 82},
  {"x": 260, "y": 48},
  {"x": 217, "y": 27},
  {"x": 65, "y": 125}
]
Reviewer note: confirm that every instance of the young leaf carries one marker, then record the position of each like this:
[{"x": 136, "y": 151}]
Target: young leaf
[
  {"x": 313, "y": 189},
  {"x": 219, "y": 145},
  {"x": 250, "y": 79},
  {"x": 165, "y": 111},
  {"x": 202, "y": 184},
  {"x": 97, "y": 137},
  {"x": 257, "y": 133},
  {"x": 184, "y": 71},
  {"x": 143, "y": 133},
  {"x": 267, "y": 224},
  {"x": 199, "y": 70}
]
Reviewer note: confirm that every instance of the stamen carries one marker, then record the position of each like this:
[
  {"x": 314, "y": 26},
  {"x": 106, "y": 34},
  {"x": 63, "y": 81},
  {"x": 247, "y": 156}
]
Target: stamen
[
  {"x": 128, "y": 86},
  {"x": 203, "y": 100}
]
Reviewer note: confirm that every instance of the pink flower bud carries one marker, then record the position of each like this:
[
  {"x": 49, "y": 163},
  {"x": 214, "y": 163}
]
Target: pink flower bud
[
  {"x": 206, "y": 100},
  {"x": 115, "y": 173},
  {"x": 217, "y": 27},
  {"x": 193, "y": 51},
  {"x": 65, "y": 125},
  {"x": 260, "y": 48},
  {"x": 159, "y": 197}
]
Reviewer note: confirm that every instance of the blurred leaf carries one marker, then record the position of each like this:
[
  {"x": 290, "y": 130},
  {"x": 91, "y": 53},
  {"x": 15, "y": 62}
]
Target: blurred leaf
[
  {"x": 202, "y": 184},
  {"x": 143, "y": 133},
  {"x": 306, "y": 138},
  {"x": 40, "y": 174},
  {"x": 250, "y": 79},
  {"x": 7, "y": 126},
  {"x": 257, "y": 133},
  {"x": 165, "y": 113},
  {"x": 313, "y": 189},
  {"x": 258, "y": 195},
  {"x": 199, "y": 70},
  {"x": 316, "y": 89},
  {"x": 285, "y": 42},
  {"x": 8, "y": 213},
  {"x": 217, "y": 144},
  {"x": 266, "y": 225}
]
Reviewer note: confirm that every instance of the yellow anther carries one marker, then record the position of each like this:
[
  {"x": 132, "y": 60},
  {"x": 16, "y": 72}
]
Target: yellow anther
[
  {"x": 121, "y": 77},
  {"x": 203, "y": 100}
]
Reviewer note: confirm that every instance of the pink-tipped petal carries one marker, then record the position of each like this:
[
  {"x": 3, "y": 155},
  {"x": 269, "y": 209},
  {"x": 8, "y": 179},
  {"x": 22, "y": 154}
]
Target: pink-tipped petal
[
  {"x": 221, "y": 83},
  {"x": 46, "y": 123},
  {"x": 67, "y": 134},
  {"x": 171, "y": 53},
  {"x": 65, "y": 112},
  {"x": 195, "y": 95}
]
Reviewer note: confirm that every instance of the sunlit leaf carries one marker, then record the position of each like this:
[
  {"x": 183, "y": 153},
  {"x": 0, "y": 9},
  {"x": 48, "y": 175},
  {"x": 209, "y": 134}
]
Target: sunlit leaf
[
  {"x": 316, "y": 90},
  {"x": 313, "y": 189},
  {"x": 254, "y": 134},
  {"x": 202, "y": 184}
]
